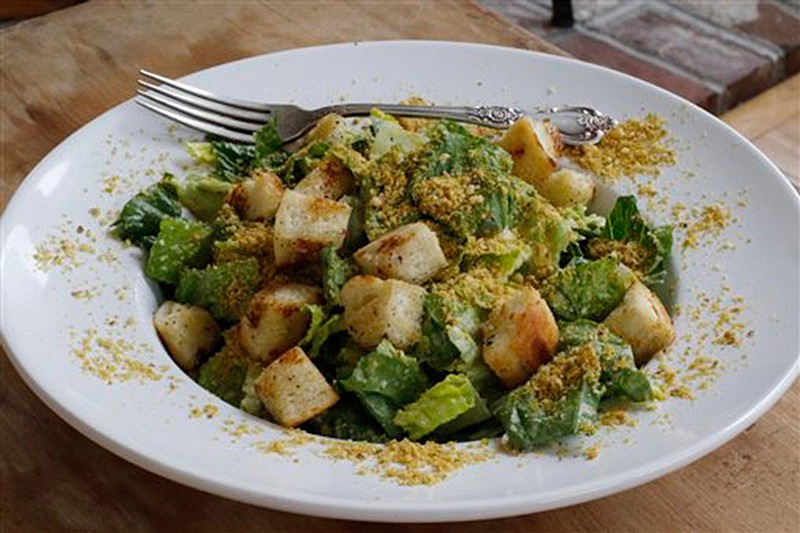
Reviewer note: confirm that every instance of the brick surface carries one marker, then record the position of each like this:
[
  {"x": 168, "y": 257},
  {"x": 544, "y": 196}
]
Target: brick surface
[
  {"x": 590, "y": 49},
  {"x": 779, "y": 26},
  {"x": 706, "y": 52}
]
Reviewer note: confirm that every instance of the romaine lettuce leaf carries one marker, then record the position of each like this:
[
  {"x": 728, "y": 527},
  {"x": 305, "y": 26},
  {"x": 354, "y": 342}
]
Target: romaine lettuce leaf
[
  {"x": 384, "y": 380},
  {"x": 587, "y": 289},
  {"x": 335, "y": 273},
  {"x": 250, "y": 402},
  {"x": 347, "y": 420},
  {"x": 224, "y": 376},
  {"x": 642, "y": 248},
  {"x": 234, "y": 161},
  {"x": 222, "y": 289},
  {"x": 141, "y": 216},
  {"x": 619, "y": 373},
  {"x": 321, "y": 329},
  {"x": 203, "y": 195},
  {"x": 528, "y": 424},
  {"x": 442, "y": 403},
  {"x": 179, "y": 244},
  {"x": 389, "y": 134}
]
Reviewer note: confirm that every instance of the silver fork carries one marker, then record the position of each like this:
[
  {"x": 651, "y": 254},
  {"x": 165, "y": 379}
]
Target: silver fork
[{"x": 238, "y": 120}]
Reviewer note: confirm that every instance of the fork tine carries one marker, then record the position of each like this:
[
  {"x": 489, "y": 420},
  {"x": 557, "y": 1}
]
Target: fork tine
[
  {"x": 253, "y": 116},
  {"x": 233, "y": 102},
  {"x": 213, "y": 118},
  {"x": 193, "y": 123}
]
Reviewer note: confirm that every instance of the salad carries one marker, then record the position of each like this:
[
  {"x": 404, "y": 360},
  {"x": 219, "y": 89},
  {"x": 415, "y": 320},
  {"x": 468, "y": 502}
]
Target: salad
[{"x": 404, "y": 278}]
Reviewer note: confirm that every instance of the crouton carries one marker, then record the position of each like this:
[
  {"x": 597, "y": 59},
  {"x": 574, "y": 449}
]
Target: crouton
[
  {"x": 567, "y": 187},
  {"x": 330, "y": 179},
  {"x": 276, "y": 319},
  {"x": 258, "y": 197},
  {"x": 304, "y": 225},
  {"x": 535, "y": 147},
  {"x": 188, "y": 332},
  {"x": 293, "y": 390},
  {"x": 641, "y": 321},
  {"x": 375, "y": 309},
  {"x": 519, "y": 335},
  {"x": 409, "y": 253}
]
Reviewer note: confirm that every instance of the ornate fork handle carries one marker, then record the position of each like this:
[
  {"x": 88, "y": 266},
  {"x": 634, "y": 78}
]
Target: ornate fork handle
[{"x": 578, "y": 125}]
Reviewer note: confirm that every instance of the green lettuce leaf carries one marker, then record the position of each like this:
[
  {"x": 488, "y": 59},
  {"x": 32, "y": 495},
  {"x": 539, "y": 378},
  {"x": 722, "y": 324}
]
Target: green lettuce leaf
[
  {"x": 203, "y": 195},
  {"x": 180, "y": 244},
  {"x": 250, "y": 402},
  {"x": 384, "y": 380},
  {"x": 619, "y": 373},
  {"x": 140, "y": 218},
  {"x": 442, "y": 403},
  {"x": 644, "y": 249},
  {"x": 528, "y": 424},
  {"x": 222, "y": 289},
  {"x": 321, "y": 329},
  {"x": 234, "y": 161},
  {"x": 587, "y": 289},
  {"x": 224, "y": 376},
  {"x": 347, "y": 420},
  {"x": 335, "y": 273}
]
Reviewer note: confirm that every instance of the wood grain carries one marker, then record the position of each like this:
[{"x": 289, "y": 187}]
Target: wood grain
[
  {"x": 772, "y": 122},
  {"x": 61, "y": 70}
]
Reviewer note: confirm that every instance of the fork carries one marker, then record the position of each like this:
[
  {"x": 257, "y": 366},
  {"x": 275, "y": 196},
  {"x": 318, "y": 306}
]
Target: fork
[{"x": 237, "y": 120}]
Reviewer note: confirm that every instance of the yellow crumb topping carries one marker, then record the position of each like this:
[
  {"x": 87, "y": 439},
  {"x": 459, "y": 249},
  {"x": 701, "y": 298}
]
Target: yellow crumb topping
[
  {"x": 410, "y": 463},
  {"x": 633, "y": 148}
]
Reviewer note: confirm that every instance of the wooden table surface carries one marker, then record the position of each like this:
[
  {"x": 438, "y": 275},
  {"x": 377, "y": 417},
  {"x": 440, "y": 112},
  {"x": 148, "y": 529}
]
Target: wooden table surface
[{"x": 61, "y": 70}]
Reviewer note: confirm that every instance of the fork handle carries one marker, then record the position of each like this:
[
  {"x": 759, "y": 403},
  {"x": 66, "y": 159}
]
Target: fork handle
[{"x": 577, "y": 125}]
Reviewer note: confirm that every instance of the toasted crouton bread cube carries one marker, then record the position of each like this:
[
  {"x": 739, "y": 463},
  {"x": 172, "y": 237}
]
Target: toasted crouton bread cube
[
  {"x": 519, "y": 335},
  {"x": 568, "y": 187},
  {"x": 330, "y": 179},
  {"x": 276, "y": 319},
  {"x": 258, "y": 197},
  {"x": 414, "y": 124},
  {"x": 375, "y": 309},
  {"x": 535, "y": 147},
  {"x": 410, "y": 253},
  {"x": 304, "y": 225},
  {"x": 327, "y": 129},
  {"x": 293, "y": 390},
  {"x": 641, "y": 321},
  {"x": 188, "y": 332}
]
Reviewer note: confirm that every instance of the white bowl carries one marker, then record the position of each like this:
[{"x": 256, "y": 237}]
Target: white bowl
[{"x": 150, "y": 422}]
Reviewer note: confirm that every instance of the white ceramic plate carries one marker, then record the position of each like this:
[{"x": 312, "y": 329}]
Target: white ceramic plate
[{"x": 46, "y": 317}]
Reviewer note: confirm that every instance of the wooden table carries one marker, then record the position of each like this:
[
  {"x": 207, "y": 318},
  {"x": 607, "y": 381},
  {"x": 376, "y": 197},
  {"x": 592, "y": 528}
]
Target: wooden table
[{"x": 61, "y": 70}]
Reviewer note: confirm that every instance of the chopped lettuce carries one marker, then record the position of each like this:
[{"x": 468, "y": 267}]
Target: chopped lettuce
[
  {"x": 529, "y": 424},
  {"x": 442, "y": 403},
  {"x": 587, "y": 289},
  {"x": 385, "y": 380},
  {"x": 234, "y": 161},
  {"x": 503, "y": 253},
  {"x": 321, "y": 329},
  {"x": 619, "y": 373},
  {"x": 222, "y": 289},
  {"x": 449, "y": 333},
  {"x": 348, "y": 420},
  {"x": 389, "y": 134},
  {"x": 546, "y": 231},
  {"x": 335, "y": 273},
  {"x": 140, "y": 218},
  {"x": 250, "y": 402},
  {"x": 224, "y": 376},
  {"x": 180, "y": 244},
  {"x": 640, "y": 247},
  {"x": 203, "y": 195},
  {"x": 300, "y": 163}
]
